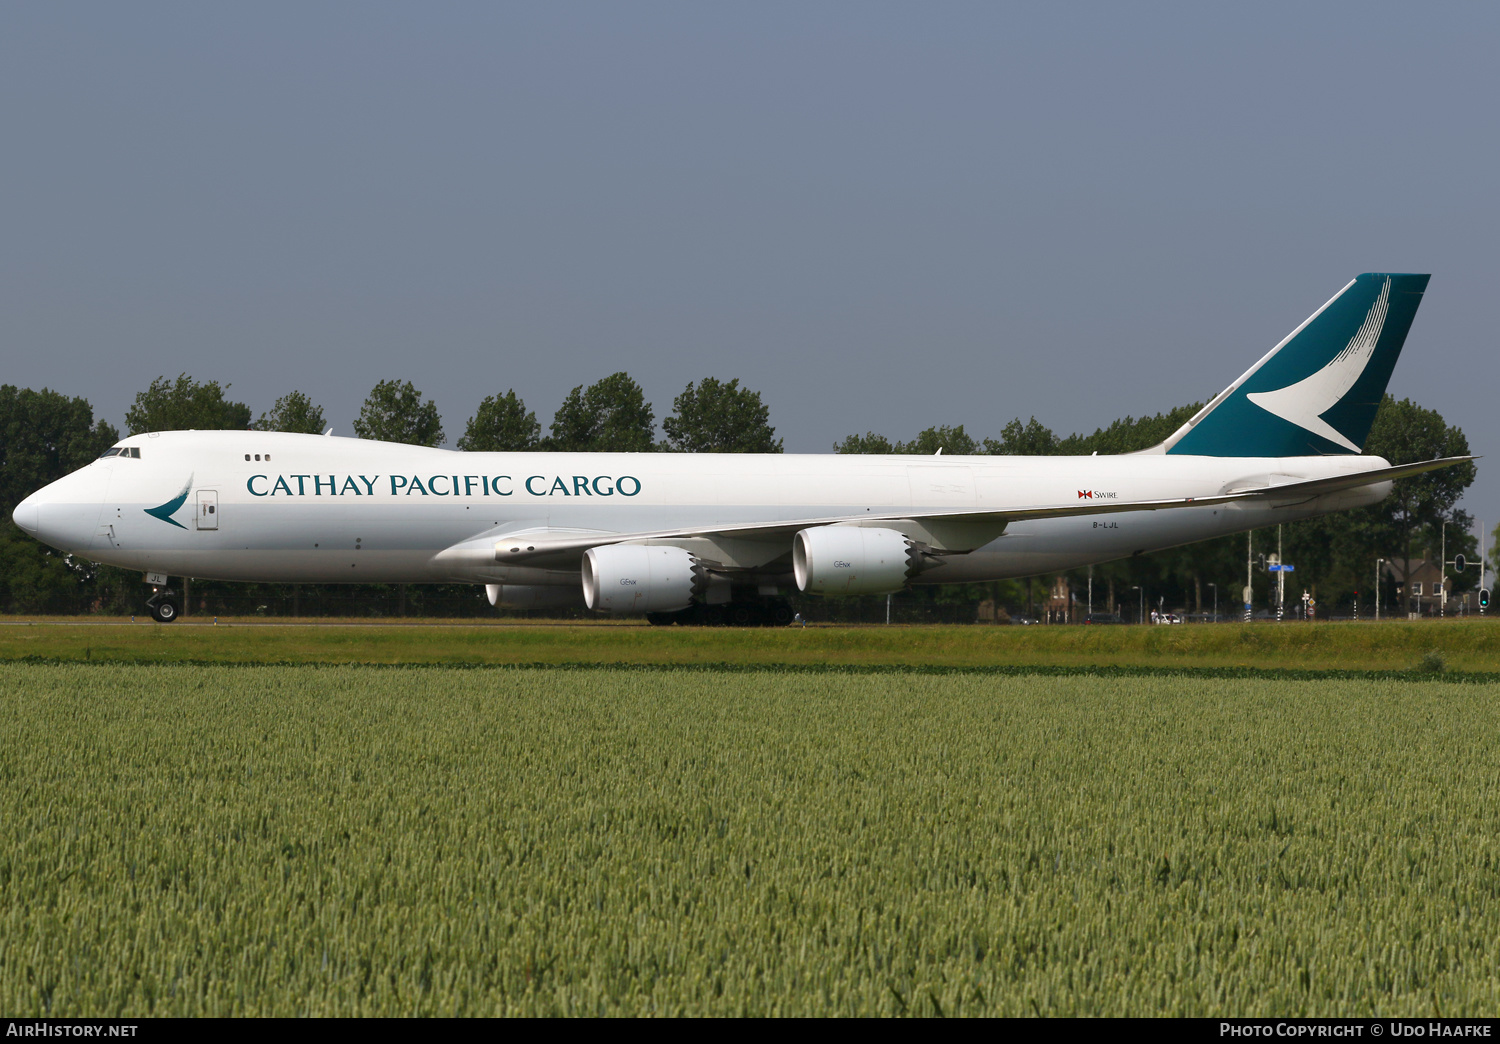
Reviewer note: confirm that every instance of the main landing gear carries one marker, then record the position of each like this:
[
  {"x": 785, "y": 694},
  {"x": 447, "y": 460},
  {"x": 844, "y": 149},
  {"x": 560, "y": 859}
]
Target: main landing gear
[
  {"x": 768, "y": 612},
  {"x": 164, "y": 605}
]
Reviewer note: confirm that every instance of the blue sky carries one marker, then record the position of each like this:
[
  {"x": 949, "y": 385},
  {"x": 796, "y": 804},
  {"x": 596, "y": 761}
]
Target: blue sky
[{"x": 882, "y": 217}]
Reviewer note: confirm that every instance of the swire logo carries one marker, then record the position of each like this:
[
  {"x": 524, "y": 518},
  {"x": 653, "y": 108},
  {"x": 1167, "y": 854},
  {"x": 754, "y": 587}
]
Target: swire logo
[{"x": 1096, "y": 494}]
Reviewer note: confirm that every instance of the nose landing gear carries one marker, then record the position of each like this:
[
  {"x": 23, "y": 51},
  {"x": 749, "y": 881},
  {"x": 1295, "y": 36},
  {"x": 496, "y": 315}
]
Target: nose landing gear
[{"x": 164, "y": 605}]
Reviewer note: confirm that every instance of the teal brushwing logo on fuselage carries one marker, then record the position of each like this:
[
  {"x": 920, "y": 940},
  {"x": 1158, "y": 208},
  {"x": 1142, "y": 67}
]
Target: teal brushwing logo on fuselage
[
  {"x": 1317, "y": 393},
  {"x": 167, "y": 510}
]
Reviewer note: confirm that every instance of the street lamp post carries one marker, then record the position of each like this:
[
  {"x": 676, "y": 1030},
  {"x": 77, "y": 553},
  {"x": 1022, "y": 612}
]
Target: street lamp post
[
  {"x": 1249, "y": 575},
  {"x": 1141, "y": 618},
  {"x": 1280, "y": 577},
  {"x": 1443, "y": 573},
  {"x": 1378, "y": 563}
]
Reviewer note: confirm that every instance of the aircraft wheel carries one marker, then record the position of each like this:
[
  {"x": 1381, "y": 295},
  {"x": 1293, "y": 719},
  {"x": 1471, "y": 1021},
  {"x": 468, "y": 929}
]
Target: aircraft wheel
[
  {"x": 661, "y": 619},
  {"x": 780, "y": 614},
  {"x": 164, "y": 611}
]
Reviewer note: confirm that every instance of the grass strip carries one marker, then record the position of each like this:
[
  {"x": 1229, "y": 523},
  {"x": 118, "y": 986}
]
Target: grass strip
[
  {"x": 1467, "y": 646},
  {"x": 1289, "y": 674}
]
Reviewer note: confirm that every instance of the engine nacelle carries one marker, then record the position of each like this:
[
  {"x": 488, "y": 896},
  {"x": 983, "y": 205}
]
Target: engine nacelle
[
  {"x": 850, "y": 560},
  {"x": 632, "y": 578}
]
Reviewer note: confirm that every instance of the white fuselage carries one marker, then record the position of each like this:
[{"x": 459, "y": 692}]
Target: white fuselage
[{"x": 306, "y": 508}]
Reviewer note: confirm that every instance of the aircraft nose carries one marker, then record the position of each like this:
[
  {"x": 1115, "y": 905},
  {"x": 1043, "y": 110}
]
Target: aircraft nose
[
  {"x": 65, "y": 514},
  {"x": 27, "y": 515}
]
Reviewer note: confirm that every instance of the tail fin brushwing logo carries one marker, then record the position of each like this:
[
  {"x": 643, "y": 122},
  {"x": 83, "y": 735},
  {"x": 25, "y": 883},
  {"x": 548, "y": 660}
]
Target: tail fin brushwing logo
[
  {"x": 1305, "y": 402},
  {"x": 1319, "y": 389},
  {"x": 165, "y": 511}
]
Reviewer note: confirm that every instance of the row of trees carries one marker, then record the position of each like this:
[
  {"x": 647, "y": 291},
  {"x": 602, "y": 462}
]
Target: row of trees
[
  {"x": 44, "y": 435},
  {"x": 1031, "y": 438},
  {"x": 611, "y": 415}
]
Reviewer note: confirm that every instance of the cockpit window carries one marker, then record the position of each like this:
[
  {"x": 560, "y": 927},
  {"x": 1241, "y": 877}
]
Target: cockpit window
[
  {"x": 122, "y": 451},
  {"x": 109, "y": 452},
  {"x": 135, "y": 451}
]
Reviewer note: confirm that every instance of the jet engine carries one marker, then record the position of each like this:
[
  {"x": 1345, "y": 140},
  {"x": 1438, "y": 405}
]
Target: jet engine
[
  {"x": 633, "y": 578},
  {"x": 850, "y": 560}
]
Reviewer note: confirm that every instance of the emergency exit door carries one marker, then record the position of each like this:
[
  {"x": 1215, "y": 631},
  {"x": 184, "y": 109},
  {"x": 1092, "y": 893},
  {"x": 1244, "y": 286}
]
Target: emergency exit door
[{"x": 208, "y": 509}]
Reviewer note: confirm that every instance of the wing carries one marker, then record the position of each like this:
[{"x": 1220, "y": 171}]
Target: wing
[{"x": 553, "y": 548}]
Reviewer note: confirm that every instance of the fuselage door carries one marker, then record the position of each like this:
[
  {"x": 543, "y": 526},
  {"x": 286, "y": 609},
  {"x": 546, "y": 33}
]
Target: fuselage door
[{"x": 208, "y": 509}]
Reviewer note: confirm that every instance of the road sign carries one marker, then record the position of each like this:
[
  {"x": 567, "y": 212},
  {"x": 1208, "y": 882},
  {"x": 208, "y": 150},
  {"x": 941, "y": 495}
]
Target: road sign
[{"x": 1281, "y": 568}]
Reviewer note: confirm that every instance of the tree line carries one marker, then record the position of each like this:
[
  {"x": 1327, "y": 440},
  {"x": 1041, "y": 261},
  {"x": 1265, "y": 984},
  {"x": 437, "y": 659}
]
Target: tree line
[
  {"x": 611, "y": 415},
  {"x": 45, "y": 434}
]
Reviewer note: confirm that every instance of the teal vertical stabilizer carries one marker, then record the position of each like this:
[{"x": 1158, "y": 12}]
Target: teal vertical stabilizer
[{"x": 1317, "y": 391}]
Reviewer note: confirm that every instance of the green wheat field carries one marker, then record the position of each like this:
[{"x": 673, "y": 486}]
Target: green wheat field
[{"x": 347, "y": 839}]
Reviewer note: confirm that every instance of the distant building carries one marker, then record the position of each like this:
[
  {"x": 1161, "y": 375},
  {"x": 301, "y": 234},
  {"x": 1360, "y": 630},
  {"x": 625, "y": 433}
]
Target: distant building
[
  {"x": 1059, "y": 606},
  {"x": 1422, "y": 591},
  {"x": 990, "y": 611}
]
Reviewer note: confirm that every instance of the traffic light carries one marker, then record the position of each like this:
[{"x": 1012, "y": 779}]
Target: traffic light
[{"x": 1484, "y": 598}]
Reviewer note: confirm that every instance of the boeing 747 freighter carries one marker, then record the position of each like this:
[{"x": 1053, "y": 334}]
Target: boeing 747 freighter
[{"x": 660, "y": 533}]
